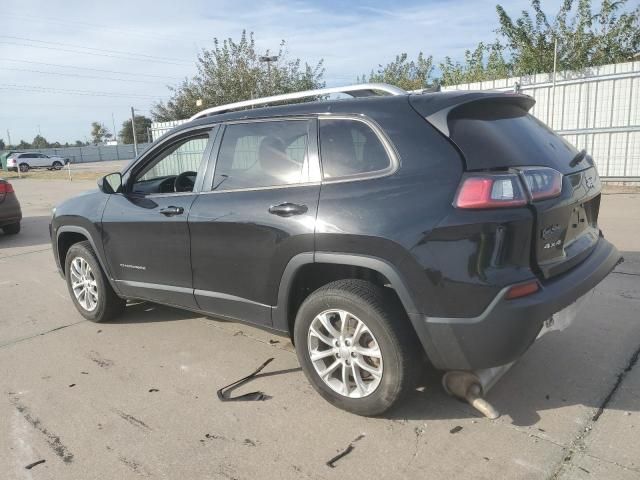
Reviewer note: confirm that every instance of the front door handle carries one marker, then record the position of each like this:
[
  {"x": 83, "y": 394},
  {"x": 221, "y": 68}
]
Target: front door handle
[
  {"x": 171, "y": 211},
  {"x": 288, "y": 209}
]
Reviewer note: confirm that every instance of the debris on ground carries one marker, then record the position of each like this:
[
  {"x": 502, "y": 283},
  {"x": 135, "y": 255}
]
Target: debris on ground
[
  {"x": 273, "y": 342},
  {"x": 31, "y": 465},
  {"x": 455, "y": 429},
  {"x": 224, "y": 392},
  {"x": 84, "y": 373},
  {"x": 248, "y": 442},
  {"x": 345, "y": 452},
  {"x": 72, "y": 385},
  {"x": 152, "y": 390}
]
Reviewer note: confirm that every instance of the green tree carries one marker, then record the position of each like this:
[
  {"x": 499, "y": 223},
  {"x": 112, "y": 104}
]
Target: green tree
[
  {"x": 585, "y": 39},
  {"x": 410, "y": 75},
  {"x": 486, "y": 62},
  {"x": 2, "y": 145},
  {"x": 39, "y": 142},
  {"x": 99, "y": 133},
  {"x": 142, "y": 130},
  {"x": 232, "y": 71},
  {"x": 23, "y": 145}
]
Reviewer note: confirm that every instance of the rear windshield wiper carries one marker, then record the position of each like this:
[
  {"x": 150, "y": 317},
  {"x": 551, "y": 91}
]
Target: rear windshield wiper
[{"x": 578, "y": 158}]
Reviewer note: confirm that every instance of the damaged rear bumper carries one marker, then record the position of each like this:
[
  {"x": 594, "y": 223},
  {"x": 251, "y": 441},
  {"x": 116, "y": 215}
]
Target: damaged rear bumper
[{"x": 506, "y": 329}]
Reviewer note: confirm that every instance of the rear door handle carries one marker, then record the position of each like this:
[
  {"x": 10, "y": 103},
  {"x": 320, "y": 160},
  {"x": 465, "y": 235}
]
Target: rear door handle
[
  {"x": 171, "y": 211},
  {"x": 288, "y": 209}
]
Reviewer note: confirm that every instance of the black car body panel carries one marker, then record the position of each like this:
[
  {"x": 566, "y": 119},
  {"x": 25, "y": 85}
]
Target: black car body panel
[
  {"x": 233, "y": 253},
  {"x": 10, "y": 211}
]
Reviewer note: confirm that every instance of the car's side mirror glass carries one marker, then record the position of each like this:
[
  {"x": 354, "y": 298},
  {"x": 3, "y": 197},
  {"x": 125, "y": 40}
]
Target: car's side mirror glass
[{"x": 111, "y": 183}]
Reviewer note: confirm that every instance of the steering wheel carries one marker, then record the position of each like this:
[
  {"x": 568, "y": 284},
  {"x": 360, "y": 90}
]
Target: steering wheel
[{"x": 184, "y": 182}]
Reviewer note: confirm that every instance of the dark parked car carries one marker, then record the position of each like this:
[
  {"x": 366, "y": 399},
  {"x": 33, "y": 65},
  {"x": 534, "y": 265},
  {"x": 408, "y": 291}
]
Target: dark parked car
[
  {"x": 10, "y": 212},
  {"x": 373, "y": 231}
]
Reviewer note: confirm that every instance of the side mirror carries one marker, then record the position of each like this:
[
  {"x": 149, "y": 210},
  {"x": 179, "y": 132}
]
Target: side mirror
[{"x": 111, "y": 183}]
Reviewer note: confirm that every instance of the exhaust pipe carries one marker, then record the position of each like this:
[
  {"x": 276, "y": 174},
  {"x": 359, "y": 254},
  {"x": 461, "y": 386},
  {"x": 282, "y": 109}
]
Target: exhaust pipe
[{"x": 473, "y": 386}]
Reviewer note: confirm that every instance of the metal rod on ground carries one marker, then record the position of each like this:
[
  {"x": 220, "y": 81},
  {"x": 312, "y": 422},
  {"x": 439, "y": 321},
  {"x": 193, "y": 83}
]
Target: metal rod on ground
[{"x": 133, "y": 129}]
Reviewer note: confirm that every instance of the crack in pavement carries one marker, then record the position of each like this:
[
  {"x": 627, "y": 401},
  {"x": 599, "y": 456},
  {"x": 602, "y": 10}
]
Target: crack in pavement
[
  {"x": 53, "y": 440},
  {"x": 25, "y": 253},
  {"x": 24, "y": 339},
  {"x": 577, "y": 445}
]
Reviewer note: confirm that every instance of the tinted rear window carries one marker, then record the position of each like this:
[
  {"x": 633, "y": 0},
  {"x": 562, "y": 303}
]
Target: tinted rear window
[
  {"x": 350, "y": 147},
  {"x": 503, "y": 135}
]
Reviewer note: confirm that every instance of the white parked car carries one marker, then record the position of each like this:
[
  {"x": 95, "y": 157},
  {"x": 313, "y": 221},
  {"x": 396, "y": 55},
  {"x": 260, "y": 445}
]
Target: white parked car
[{"x": 26, "y": 161}]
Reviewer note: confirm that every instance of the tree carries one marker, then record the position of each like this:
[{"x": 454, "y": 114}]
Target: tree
[
  {"x": 39, "y": 142},
  {"x": 2, "y": 145},
  {"x": 585, "y": 39},
  {"x": 142, "y": 125},
  {"x": 99, "y": 133},
  {"x": 410, "y": 75},
  {"x": 476, "y": 66},
  {"x": 232, "y": 71},
  {"x": 23, "y": 145}
]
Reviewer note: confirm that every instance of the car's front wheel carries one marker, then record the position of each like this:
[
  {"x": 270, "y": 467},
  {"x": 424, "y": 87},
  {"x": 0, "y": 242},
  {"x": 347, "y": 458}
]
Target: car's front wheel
[
  {"x": 57, "y": 165},
  {"x": 356, "y": 346},
  {"x": 88, "y": 286}
]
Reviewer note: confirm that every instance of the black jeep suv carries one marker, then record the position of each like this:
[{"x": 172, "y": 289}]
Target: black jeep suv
[{"x": 371, "y": 230}]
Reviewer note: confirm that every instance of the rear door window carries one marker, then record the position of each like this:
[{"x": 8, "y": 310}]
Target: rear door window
[
  {"x": 263, "y": 154},
  {"x": 350, "y": 147}
]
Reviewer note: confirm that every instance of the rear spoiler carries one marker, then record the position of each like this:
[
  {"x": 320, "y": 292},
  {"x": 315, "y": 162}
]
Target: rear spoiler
[{"x": 436, "y": 107}]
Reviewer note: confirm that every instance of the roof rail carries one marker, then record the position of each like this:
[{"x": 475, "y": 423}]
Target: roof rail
[{"x": 361, "y": 90}]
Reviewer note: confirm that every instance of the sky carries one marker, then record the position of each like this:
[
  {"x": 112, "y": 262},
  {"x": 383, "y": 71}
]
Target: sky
[{"x": 66, "y": 64}]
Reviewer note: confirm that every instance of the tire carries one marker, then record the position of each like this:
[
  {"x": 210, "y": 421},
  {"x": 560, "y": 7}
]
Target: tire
[
  {"x": 56, "y": 165},
  {"x": 388, "y": 329},
  {"x": 12, "y": 229},
  {"x": 107, "y": 305},
  {"x": 24, "y": 167}
]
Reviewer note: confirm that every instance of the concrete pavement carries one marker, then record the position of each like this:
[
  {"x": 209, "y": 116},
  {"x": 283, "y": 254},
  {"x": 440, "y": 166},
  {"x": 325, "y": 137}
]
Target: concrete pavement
[{"x": 136, "y": 397}]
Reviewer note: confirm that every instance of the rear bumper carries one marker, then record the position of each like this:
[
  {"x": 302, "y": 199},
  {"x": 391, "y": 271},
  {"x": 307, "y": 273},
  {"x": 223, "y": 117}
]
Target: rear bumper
[{"x": 506, "y": 329}]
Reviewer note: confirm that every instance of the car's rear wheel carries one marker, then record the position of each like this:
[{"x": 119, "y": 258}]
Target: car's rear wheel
[
  {"x": 12, "y": 229},
  {"x": 24, "y": 167},
  {"x": 356, "y": 346},
  {"x": 57, "y": 165},
  {"x": 88, "y": 286}
]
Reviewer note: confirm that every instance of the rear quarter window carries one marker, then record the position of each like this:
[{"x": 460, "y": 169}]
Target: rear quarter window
[{"x": 349, "y": 148}]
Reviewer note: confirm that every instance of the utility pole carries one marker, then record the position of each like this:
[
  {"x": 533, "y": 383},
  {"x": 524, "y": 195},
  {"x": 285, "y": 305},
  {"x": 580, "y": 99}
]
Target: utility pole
[
  {"x": 268, "y": 59},
  {"x": 133, "y": 129},
  {"x": 113, "y": 122},
  {"x": 9, "y": 137}
]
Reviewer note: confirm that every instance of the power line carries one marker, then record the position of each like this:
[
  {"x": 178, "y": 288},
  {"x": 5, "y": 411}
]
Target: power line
[
  {"x": 92, "y": 53},
  {"x": 92, "y": 93},
  {"x": 128, "y": 80},
  {"x": 75, "y": 22},
  {"x": 117, "y": 52},
  {"x": 89, "y": 68}
]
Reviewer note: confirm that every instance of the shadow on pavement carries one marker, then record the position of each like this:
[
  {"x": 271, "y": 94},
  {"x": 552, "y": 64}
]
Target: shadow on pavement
[{"x": 34, "y": 232}]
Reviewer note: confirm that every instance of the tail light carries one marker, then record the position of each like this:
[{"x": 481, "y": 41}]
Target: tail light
[
  {"x": 496, "y": 190},
  {"x": 6, "y": 187},
  {"x": 490, "y": 191},
  {"x": 542, "y": 182}
]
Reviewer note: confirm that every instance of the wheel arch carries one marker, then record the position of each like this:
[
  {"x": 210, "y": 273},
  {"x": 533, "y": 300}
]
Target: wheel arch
[
  {"x": 284, "y": 313},
  {"x": 68, "y": 235}
]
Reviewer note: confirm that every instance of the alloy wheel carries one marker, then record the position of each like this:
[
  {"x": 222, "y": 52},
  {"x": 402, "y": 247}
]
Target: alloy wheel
[
  {"x": 83, "y": 283},
  {"x": 345, "y": 354}
]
